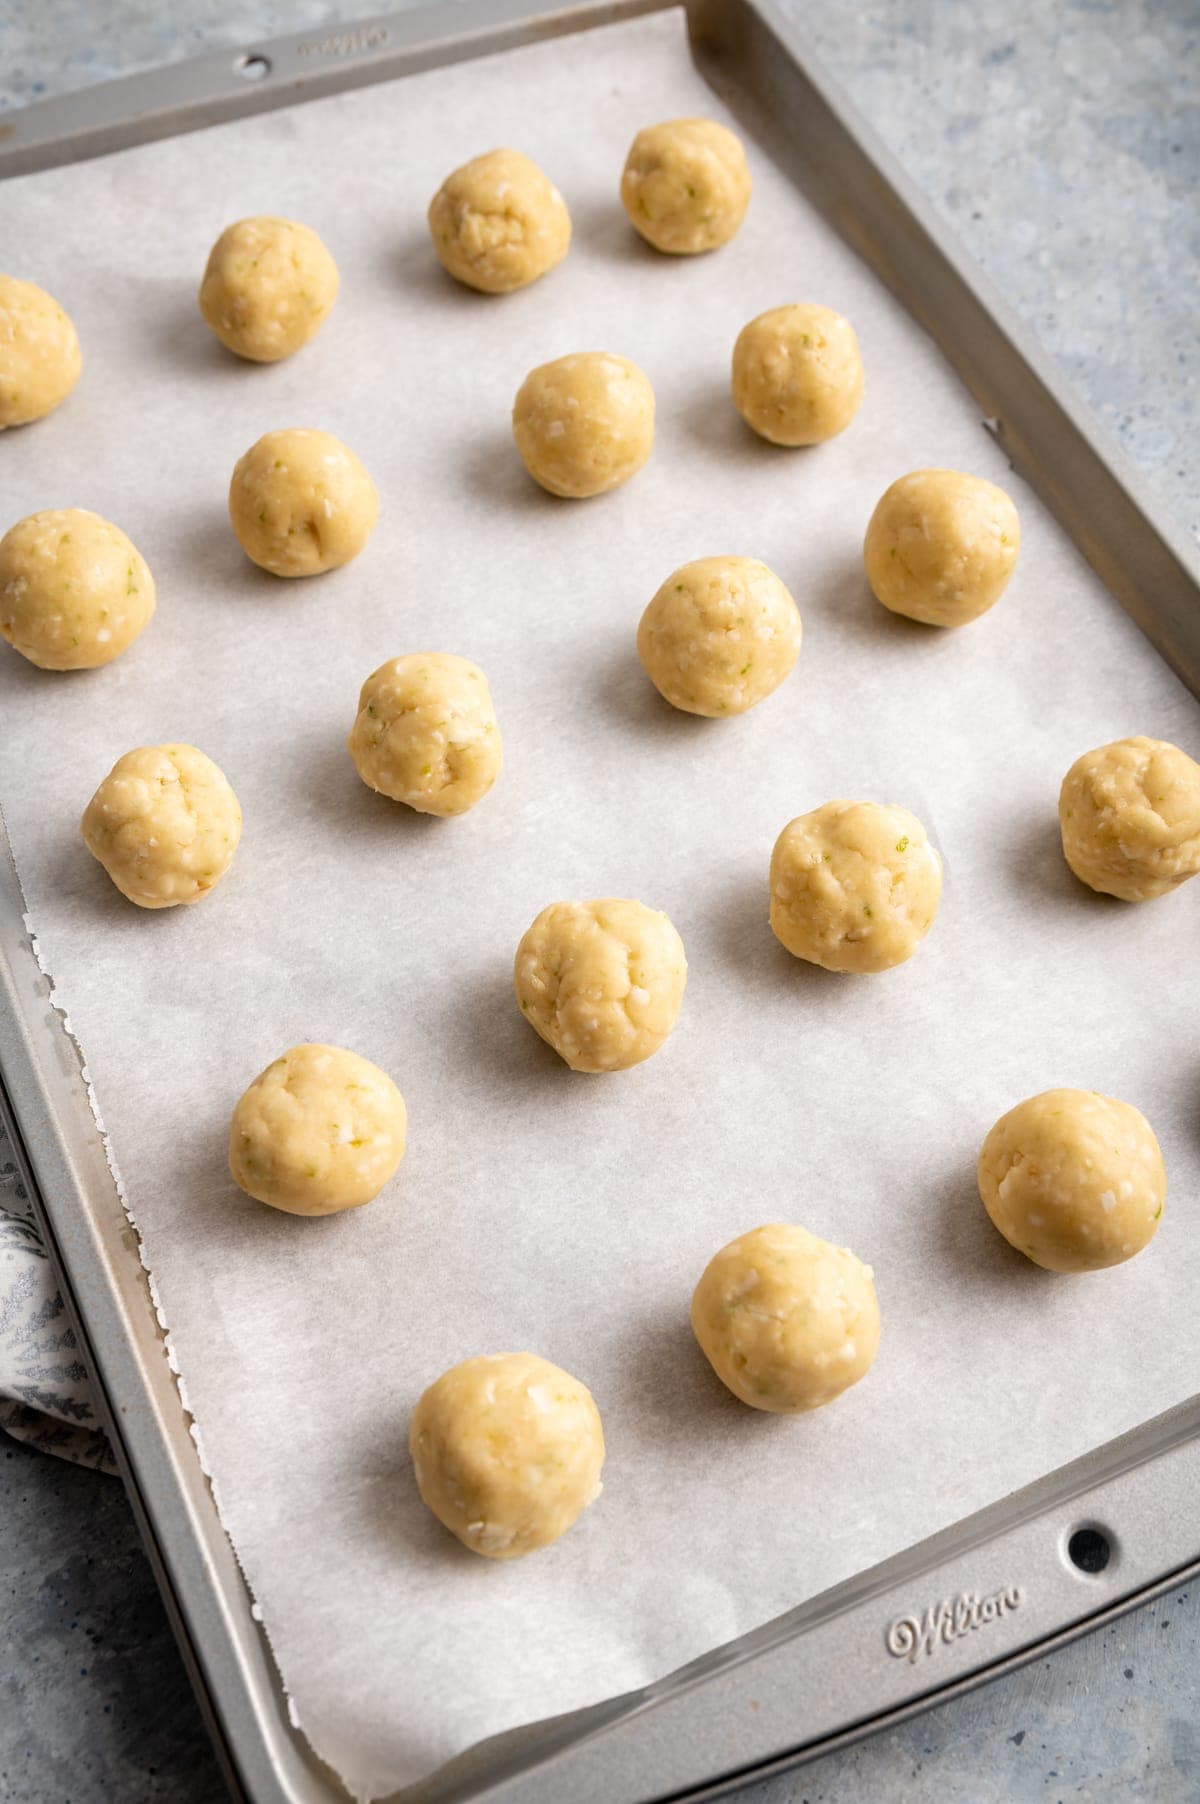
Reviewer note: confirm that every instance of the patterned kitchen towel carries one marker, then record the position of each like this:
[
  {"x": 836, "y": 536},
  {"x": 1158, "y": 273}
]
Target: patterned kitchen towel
[{"x": 45, "y": 1393}]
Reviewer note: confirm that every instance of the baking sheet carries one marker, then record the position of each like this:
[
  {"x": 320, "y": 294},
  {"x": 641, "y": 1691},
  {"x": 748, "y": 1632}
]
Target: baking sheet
[{"x": 536, "y": 1207}]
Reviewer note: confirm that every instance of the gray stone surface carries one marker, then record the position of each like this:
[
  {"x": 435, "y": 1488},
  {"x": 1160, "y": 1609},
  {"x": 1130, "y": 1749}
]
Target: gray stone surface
[{"x": 1062, "y": 142}]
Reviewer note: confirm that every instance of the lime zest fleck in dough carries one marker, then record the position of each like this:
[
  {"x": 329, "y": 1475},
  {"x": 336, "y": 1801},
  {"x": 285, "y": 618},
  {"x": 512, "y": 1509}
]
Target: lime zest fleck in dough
[{"x": 902, "y": 844}]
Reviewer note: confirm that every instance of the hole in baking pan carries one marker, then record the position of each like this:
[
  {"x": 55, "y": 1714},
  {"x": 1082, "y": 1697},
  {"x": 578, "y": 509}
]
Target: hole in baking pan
[
  {"x": 253, "y": 67},
  {"x": 1091, "y": 1549}
]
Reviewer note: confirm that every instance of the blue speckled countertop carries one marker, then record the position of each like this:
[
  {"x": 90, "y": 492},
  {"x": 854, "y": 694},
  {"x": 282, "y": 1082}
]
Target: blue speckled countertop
[{"x": 1062, "y": 142}]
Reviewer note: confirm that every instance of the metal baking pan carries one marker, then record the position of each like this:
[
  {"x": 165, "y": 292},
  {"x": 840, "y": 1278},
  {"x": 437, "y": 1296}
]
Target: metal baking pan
[{"x": 994, "y": 1590}]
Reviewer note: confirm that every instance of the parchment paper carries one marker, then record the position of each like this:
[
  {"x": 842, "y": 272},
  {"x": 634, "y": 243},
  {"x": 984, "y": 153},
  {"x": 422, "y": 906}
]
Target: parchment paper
[{"x": 537, "y": 1208}]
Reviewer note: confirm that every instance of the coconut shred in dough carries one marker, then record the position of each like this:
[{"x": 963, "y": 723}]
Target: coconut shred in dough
[
  {"x": 40, "y": 358},
  {"x": 787, "y": 1321},
  {"x": 269, "y": 285},
  {"x": 686, "y": 185},
  {"x": 855, "y": 886},
  {"x": 1129, "y": 813},
  {"x": 941, "y": 546},
  {"x": 426, "y": 733},
  {"x": 1074, "y": 1180},
  {"x": 165, "y": 825},
  {"x": 601, "y": 982},
  {"x": 320, "y": 1130},
  {"x": 584, "y": 424},
  {"x": 74, "y": 591},
  {"x": 498, "y": 223},
  {"x": 507, "y": 1450},
  {"x": 301, "y": 502},
  {"x": 721, "y": 634},
  {"x": 797, "y": 374}
]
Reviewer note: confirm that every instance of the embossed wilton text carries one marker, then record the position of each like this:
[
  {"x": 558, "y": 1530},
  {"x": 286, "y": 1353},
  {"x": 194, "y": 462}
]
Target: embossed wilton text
[
  {"x": 346, "y": 43},
  {"x": 910, "y": 1636}
]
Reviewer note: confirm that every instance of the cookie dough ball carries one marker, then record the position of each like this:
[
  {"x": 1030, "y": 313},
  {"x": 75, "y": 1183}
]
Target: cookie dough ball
[
  {"x": 686, "y": 185},
  {"x": 498, "y": 223},
  {"x": 721, "y": 634},
  {"x": 941, "y": 546},
  {"x": 1130, "y": 818},
  {"x": 426, "y": 733},
  {"x": 165, "y": 825},
  {"x": 786, "y": 1321},
  {"x": 601, "y": 982},
  {"x": 507, "y": 1450},
  {"x": 301, "y": 502},
  {"x": 40, "y": 358},
  {"x": 268, "y": 286},
  {"x": 855, "y": 886},
  {"x": 74, "y": 591},
  {"x": 1073, "y": 1180},
  {"x": 797, "y": 374},
  {"x": 319, "y": 1130},
  {"x": 584, "y": 424}
]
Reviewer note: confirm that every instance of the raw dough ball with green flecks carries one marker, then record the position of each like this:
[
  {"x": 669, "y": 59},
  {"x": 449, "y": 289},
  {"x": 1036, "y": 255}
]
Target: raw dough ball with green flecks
[
  {"x": 301, "y": 502},
  {"x": 165, "y": 825},
  {"x": 855, "y": 886},
  {"x": 602, "y": 982},
  {"x": 797, "y": 374},
  {"x": 426, "y": 733},
  {"x": 721, "y": 634},
  {"x": 498, "y": 223},
  {"x": 74, "y": 591},
  {"x": 787, "y": 1321},
  {"x": 584, "y": 424},
  {"x": 269, "y": 286},
  {"x": 941, "y": 546},
  {"x": 40, "y": 359},
  {"x": 1074, "y": 1180},
  {"x": 320, "y": 1130},
  {"x": 1129, "y": 813},
  {"x": 507, "y": 1450},
  {"x": 686, "y": 185}
]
